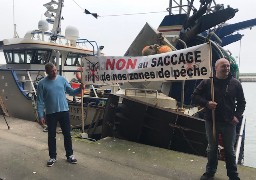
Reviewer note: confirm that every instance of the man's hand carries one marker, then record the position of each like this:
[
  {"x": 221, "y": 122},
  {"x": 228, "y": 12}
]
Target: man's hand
[
  {"x": 82, "y": 86},
  {"x": 211, "y": 105},
  {"x": 42, "y": 121},
  {"x": 234, "y": 121}
]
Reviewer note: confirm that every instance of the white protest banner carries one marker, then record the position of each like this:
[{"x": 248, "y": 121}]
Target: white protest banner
[{"x": 186, "y": 64}]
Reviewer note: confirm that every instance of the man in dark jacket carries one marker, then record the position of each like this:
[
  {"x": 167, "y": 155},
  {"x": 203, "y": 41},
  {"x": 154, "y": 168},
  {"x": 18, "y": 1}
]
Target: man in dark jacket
[{"x": 228, "y": 105}]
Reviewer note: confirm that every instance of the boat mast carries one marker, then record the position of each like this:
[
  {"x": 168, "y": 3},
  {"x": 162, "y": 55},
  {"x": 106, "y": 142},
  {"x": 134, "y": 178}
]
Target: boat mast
[
  {"x": 170, "y": 7},
  {"x": 183, "y": 7},
  {"x": 54, "y": 17},
  {"x": 57, "y": 23}
]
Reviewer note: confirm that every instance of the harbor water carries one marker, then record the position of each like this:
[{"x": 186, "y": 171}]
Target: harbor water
[{"x": 250, "y": 114}]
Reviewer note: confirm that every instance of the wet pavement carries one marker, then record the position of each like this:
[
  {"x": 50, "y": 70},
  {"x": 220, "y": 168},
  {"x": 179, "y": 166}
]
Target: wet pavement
[{"x": 24, "y": 154}]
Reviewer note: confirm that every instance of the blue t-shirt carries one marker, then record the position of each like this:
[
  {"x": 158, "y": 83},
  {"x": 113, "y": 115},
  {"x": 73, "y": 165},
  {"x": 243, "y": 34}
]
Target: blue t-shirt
[{"x": 51, "y": 95}]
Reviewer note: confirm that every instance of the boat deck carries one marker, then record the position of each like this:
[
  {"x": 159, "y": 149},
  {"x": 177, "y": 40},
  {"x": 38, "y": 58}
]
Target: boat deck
[{"x": 24, "y": 154}]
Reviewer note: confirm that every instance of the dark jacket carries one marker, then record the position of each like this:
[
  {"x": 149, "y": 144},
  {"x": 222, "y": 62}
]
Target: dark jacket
[{"x": 228, "y": 94}]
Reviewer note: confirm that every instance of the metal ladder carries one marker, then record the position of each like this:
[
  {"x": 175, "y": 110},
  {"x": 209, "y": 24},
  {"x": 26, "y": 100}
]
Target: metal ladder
[{"x": 33, "y": 97}]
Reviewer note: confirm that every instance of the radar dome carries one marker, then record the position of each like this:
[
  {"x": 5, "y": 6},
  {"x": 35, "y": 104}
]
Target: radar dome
[
  {"x": 71, "y": 33},
  {"x": 43, "y": 25}
]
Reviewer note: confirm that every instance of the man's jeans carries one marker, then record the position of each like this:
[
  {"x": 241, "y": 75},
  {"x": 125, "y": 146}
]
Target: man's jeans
[
  {"x": 228, "y": 132},
  {"x": 52, "y": 119}
]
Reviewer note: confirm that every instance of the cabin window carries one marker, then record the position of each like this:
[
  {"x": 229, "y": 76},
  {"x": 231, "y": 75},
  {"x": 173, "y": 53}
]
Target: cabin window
[
  {"x": 40, "y": 57},
  {"x": 18, "y": 57},
  {"x": 8, "y": 57},
  {"x": 27, "y": 56},
  {"x": 73, "y": 60}
]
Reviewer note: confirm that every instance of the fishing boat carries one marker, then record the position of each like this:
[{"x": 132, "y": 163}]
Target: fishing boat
[
  {"x": 139, "y": 116},
  {"x": 156, "y": 113},
  {"x": 25, "y": 59}
]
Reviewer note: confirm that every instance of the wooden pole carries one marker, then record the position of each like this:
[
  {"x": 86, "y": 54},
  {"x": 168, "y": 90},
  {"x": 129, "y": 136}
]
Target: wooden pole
[
  {"x": 212, "y": 96},
  {"x": 82, "y": 99},
  {"x": 213, "y": 112}
]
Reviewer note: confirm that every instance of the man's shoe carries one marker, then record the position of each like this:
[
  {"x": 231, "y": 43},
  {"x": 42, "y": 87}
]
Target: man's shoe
[
  {"x": 45, "y": 129},
  {"x": 234, "y": 178},
  {"x": 71, "y": 159},
  {"x": 51, "y": 162},
  {"x": 207, "y": 176}
]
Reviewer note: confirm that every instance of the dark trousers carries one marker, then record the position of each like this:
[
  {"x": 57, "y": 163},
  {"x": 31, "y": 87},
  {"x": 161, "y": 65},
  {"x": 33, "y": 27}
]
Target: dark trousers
[
  {"x": 52, "y": 119},
  {"x": 228, "y": 132}
]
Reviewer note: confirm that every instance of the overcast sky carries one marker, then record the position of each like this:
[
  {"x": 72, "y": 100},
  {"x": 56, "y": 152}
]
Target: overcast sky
[{"x": 116, "y": 33}]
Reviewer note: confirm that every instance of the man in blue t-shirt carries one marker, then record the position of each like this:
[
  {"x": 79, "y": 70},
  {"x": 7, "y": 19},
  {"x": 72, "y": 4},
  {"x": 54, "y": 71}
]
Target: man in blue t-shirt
[{"x": 51, "y": 97}]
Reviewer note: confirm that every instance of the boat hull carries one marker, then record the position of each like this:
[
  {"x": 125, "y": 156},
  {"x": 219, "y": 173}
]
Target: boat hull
[
  {"x": 15, "y": 98},
  {"x": 141, "y": 122}
]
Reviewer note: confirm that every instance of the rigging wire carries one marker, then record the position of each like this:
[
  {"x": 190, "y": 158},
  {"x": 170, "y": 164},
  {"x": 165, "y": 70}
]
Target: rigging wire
[
  {"x": 126, "y": 14},
  {"x": 77, "y": 4},
  {"x": 130, "y": 14}
]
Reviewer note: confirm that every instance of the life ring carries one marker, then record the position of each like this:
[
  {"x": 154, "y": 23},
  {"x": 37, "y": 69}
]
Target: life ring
[{"x": 78, "y": 74}]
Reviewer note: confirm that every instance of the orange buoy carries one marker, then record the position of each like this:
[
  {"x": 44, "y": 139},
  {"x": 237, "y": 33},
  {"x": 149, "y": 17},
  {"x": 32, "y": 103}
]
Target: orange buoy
[
  {"x": 164, "y": 49},
  {"x": 155, "y": 49}
]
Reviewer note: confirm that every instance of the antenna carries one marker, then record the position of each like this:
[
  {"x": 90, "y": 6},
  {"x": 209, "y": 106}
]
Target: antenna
[
  {"x": 54, "y": 17},
  {"x": 15, "y": 34}
]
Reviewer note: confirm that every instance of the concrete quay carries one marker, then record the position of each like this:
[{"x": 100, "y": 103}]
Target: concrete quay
[
  {"x": 24, "y": 154},
  {"x": 247, "y": 77}
]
